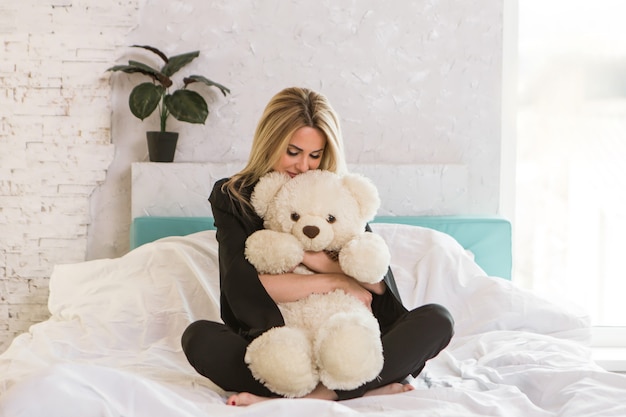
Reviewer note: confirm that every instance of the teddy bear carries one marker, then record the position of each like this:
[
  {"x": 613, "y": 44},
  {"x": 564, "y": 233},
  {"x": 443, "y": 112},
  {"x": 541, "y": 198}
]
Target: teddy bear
[{"x": 331, "y": 338}]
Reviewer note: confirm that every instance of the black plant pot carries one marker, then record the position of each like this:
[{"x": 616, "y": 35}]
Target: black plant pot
[{"x": 162, "y": 146}]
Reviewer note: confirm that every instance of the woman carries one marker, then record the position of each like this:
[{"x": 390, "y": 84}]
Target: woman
[{"x": 298, "y": 131}]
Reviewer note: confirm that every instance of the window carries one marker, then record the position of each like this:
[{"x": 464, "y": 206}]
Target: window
[{"x": 570, "y": 219}]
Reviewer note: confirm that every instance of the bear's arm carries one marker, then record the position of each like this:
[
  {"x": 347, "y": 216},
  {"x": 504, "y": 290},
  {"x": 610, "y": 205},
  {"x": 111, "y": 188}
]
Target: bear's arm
[{"x": 388, "y": 279}]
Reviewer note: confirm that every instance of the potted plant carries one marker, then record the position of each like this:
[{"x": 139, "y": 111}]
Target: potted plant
[{"x": 182, "y": 104}]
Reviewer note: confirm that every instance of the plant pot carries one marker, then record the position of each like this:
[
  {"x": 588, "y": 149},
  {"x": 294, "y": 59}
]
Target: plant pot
[{"x": 162, "y": 146}]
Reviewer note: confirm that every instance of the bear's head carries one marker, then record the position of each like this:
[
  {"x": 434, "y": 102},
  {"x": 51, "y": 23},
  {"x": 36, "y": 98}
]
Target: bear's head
[{"x": 323, "y": 210}]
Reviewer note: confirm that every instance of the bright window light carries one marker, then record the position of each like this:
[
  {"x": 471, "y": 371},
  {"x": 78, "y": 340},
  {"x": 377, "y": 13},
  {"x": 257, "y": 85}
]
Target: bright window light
[{"x": 571, "y": 155}]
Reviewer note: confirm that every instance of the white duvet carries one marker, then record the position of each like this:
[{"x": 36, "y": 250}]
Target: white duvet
[{"x": 112, "y": 344}]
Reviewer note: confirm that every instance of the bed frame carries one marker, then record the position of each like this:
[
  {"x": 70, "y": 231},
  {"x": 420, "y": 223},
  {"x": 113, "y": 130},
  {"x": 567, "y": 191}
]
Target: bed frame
[{"x": 487, "y": 237}]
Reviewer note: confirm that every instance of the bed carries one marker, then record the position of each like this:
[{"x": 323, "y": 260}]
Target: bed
[{"x": 111, "y": 346}]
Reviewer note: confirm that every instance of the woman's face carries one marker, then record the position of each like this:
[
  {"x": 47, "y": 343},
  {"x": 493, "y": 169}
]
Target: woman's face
[{"x": 304, "y": 152}]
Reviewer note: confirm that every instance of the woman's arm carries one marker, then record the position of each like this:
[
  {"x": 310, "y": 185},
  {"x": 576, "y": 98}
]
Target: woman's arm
[
  {"x": 322, "y": 262},
  {"x": 292, "y": 287}
]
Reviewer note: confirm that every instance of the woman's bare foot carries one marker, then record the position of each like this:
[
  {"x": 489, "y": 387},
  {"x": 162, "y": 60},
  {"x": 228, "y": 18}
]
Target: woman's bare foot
[
  {"x": 395, "y": 388},
  {"x": 320, "y": 393},
  {"x": 245, "y": 398}
]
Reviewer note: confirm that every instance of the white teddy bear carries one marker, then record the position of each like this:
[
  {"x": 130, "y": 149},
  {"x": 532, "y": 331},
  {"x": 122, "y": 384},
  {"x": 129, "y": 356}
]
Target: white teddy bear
[{"x": 330, "y": 338}]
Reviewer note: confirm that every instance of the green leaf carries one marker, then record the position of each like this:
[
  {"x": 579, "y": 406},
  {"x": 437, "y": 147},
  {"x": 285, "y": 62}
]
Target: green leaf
[
  {"x": 204, "y": 80},
  {"x": 144, "y": 99},
  {"x": 177, "y": 62},
  {"x": 155, "y": 74},
  {"x": 154, "y": 50},
  {"x": 124, "y": 68},
  {"x": 138, "y": 67},
  {"x": 143, "y": 67},
  {"x": 187, "y": 106}
]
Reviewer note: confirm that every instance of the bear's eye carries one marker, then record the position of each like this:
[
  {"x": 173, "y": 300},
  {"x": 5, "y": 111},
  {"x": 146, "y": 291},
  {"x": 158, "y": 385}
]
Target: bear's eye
[
  {"x": 295, "y": 217},
  {"x": 331, "y": 219}
]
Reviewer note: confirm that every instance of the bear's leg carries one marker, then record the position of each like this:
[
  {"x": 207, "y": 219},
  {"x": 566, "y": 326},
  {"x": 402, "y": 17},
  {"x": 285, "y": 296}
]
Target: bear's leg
[
  {"x": 281, "y": 359},
  {"x": 348, "y": 351}
]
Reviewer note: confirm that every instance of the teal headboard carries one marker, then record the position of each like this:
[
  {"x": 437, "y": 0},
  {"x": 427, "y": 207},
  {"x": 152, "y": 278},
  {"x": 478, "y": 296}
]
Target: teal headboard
[{"x": 488, "y": 238}]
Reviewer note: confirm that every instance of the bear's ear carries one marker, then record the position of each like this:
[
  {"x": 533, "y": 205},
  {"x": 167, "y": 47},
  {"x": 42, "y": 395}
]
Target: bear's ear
[
  {"x": 266, "y": 189},
  {"x": 364, "y": 192}
]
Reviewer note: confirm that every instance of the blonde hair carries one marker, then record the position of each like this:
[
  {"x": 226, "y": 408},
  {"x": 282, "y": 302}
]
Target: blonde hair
[{"x": 288, "y": 111}]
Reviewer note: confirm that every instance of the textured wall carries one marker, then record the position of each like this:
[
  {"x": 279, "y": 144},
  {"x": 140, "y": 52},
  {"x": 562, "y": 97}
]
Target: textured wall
[
  {"x": 181, "y": 189},
  {"x": 413, "y": 81},
  {"x": 54, "y": 140}
]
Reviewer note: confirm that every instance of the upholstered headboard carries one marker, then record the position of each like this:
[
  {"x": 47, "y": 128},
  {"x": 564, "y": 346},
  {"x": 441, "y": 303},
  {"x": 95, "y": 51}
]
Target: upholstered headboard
[{"x": 488, "y": 238}]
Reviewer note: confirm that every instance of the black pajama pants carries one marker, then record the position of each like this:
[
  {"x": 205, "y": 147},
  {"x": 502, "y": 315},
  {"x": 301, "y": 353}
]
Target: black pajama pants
[{"x": 216, "y": 352}]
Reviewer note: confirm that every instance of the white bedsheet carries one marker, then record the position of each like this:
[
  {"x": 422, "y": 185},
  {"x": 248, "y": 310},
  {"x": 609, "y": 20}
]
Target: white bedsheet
[{"x": 111, "y": 347}]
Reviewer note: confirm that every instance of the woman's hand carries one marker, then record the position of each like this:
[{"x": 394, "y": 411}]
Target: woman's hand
[
  {"x": 355, "y": 288},
  {"x": 321, "y": 262}
]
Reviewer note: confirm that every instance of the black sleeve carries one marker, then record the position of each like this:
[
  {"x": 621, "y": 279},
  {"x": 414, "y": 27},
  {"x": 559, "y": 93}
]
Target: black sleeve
[
  {"x": 387, "y": 307},
  {"x": 246, "y": 306}
]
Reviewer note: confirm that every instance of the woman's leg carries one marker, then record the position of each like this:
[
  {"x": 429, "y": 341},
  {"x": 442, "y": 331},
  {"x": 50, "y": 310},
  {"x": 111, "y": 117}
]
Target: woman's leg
[
  {"x": 216, "y": 352},
  {"x": 416, "y": 337}
]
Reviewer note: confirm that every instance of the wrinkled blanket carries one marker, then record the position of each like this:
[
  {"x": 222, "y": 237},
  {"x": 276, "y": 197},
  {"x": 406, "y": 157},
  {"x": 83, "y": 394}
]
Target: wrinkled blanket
[{"x": 112, "y": 344}]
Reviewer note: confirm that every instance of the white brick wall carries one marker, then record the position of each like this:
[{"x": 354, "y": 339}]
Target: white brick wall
[{"x": 54, "y": 139}]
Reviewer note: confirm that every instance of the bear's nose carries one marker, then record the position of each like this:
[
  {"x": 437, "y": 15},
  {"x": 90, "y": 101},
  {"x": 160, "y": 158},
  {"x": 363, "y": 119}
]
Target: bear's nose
[{"x": 311, "y": 231}]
